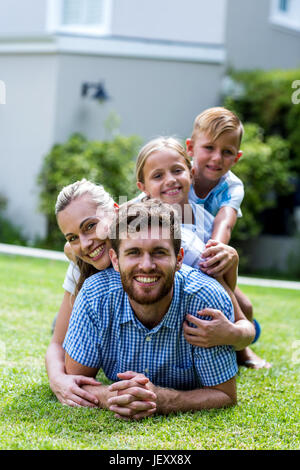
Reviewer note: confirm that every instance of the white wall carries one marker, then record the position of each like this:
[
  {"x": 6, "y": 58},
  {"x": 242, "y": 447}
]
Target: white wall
[
  {"x": 22, "y": 17},
  {"x": 188, "y": 20},
  {"x": 252, "y": 41},
  {"x": 158, "y": 91},
  {"x": 152, "y": 97},
  {"x": 26, "y": 133}
]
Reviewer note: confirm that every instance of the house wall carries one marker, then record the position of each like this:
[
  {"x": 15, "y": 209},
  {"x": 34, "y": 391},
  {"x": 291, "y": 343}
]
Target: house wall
[
  {"x": 195, "y": 21},
  {"x": 252, "y": 41},
  {"x": 44, "y": 106},
  {"x": 26, "y": 134},
  {"x": 22, "y": 17},
  {"x": 153, "y": 97},
  {"x": 272, "y": 252}
]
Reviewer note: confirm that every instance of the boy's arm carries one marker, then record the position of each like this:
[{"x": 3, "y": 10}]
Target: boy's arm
[{"x": 223, "y": 224}]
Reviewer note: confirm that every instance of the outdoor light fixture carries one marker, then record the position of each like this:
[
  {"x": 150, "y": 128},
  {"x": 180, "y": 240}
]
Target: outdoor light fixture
[{"x": 99, "y": 92}]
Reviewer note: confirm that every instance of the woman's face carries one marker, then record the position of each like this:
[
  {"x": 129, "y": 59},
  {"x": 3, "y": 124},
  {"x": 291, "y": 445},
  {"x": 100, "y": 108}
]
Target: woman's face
[{"x": 86, "y": 234}]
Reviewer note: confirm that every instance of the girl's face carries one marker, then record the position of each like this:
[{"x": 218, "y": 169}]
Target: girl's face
[
  {"x": 88, "y": 237},
  {"x": 166, "y": 177}
]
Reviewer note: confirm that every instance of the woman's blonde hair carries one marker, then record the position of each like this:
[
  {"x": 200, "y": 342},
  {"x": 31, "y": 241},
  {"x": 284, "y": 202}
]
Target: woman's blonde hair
[
  {"x": 81, "y": 188},
  {"x": 101, "y": 197},
  {"x": 156, "y": 145}
]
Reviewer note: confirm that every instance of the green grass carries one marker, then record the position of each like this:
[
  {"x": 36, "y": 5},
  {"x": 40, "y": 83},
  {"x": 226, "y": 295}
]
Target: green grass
[{"x": 266, "y": 416}]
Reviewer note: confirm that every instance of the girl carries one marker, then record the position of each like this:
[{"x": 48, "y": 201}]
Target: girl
[
  {"x": 84, "y": 212},
  {"x": 163, "y": 171}
]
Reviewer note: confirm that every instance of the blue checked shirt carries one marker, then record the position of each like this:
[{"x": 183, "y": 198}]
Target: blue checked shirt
[
  {"x": 228, "y": 192},
  {"x": 104, "y": 333}
]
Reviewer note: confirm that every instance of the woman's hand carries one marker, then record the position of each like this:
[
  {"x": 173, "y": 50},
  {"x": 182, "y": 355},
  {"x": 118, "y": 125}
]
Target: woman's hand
[
  {"x": 67, "y": 389},
  {"x": 218, "y": 258}
]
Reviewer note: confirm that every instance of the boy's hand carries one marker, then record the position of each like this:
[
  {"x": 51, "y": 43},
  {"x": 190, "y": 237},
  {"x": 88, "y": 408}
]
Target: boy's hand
[{"x": 219, "y": 258}]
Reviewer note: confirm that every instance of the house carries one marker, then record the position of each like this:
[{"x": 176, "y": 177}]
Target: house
[{"x": 68, "y": 65}]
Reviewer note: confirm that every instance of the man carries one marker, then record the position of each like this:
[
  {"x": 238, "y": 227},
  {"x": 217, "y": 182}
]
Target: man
[{"x": 128, "y": 321}]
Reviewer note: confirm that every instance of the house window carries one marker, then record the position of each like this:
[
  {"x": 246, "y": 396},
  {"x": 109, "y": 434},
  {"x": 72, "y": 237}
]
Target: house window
[
  {"x": 286, "y": 13},
  {"x": 79, "y": 16},
  {"x": 82, "y": 12},
  {"x": 283, "y": 5}
]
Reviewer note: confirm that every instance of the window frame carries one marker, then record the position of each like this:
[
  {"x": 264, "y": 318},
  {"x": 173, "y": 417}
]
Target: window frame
[{"x": 54, "y": 20}]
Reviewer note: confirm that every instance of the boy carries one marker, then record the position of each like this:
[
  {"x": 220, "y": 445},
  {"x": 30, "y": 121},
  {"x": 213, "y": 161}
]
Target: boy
[{"x": 215, "y": 148}]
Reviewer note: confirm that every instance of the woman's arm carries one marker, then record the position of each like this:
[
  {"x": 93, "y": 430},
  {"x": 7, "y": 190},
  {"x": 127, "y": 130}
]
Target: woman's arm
[{"x": 67, "y": 388}]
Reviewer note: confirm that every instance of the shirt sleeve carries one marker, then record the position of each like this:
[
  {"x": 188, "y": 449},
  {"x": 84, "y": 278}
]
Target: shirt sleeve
[
  {"x": 71, "y": 279},
  {"x": 233, "y": 197},
  {"x": 82, "y": 338},
  {"x": 218, "y": 364},
  {"x": 192, "y": 246}
]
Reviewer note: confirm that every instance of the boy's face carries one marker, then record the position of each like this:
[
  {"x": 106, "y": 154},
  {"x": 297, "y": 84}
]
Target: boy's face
[{"x": 213, "y": 158}]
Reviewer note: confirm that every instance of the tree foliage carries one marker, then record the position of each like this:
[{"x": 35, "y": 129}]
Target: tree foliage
[
  {"x": 265, "y": 169},
  {"x": 110, "y": 163}
]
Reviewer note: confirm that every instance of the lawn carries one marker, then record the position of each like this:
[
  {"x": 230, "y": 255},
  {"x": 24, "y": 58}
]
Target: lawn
[{"x": 266, "y": 416}]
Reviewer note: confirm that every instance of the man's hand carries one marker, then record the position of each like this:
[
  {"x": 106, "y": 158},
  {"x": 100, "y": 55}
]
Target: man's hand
[
  {"x": 135, "y": 397},
  {"x": 219, "y": 258},
  {"x": 217, "y": 331}
]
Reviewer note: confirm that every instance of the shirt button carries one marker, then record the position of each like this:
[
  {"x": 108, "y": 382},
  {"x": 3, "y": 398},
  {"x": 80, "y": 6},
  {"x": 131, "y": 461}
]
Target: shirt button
[
  {"x": 147, "y": 370},
  {"x": 148, "y": 338}
]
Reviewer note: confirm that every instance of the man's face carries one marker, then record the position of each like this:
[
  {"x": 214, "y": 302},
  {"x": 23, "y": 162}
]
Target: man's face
[{"x": 147, "y": 266}]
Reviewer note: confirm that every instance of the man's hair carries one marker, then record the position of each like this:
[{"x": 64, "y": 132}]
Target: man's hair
[
  {"x": 157, "y": 145},
  {"x": 215, "y": 121},
  {"x": 133, "y": 217}
]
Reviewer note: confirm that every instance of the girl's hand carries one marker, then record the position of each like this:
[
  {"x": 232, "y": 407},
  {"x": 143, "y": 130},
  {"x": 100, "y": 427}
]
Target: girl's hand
[
  {"x": 208, "y": 333},
  {"x": 218, "y": 258},
  {"x": 68, "y": 390}
]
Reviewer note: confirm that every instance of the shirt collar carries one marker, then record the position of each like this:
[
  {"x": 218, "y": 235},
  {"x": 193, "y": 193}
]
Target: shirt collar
[{"x": 169, "y": 320}]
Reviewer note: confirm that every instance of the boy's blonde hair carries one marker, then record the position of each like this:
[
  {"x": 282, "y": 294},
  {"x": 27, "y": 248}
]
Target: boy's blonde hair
[
  {"x": 156, "y": 145},
  {"x": 215, "y": 121}
]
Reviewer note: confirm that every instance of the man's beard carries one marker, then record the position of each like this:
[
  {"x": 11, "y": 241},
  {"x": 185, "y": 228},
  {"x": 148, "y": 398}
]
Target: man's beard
[{"x": 147, "y": 297}]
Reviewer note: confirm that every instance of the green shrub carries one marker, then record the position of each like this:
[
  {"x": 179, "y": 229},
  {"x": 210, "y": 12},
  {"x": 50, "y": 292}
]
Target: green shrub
[
  {"x": 9, "y": 233},
  {"x": 110, "y": 163},
  {"x": 265, "y": 169},
  {"x": 266, "y": 100}
]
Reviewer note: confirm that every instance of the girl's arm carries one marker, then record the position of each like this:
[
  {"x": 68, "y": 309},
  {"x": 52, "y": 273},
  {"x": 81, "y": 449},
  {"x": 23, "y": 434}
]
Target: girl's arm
[
  {"x": 67, "y": 388},
  {"x": 219, "y": 330}
]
